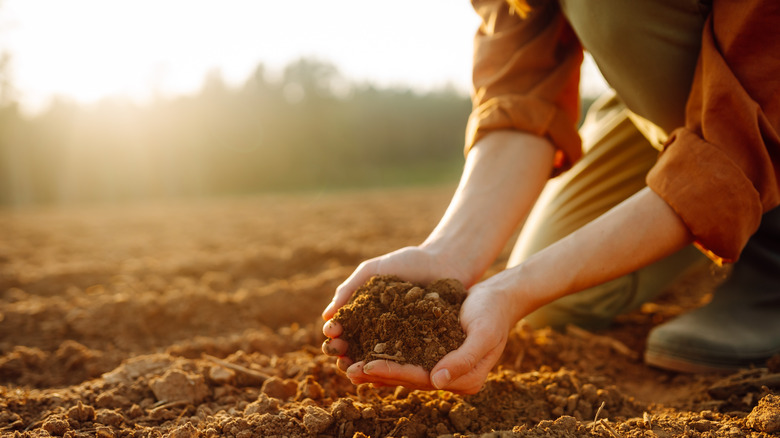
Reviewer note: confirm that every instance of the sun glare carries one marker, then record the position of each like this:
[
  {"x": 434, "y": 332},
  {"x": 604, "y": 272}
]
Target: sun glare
[{"x": 88, "y": 49}]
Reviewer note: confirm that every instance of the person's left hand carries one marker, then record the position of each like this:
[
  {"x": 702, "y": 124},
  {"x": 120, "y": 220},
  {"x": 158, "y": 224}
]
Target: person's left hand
[{"x": 486, "y": 316}]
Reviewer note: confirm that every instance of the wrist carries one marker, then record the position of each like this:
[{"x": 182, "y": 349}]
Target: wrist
[
  {"x": 450, "y": 260},
  {"x": 513, "y": 294}
]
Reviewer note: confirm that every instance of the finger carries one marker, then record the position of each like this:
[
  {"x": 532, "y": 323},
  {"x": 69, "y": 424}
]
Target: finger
[
  {"x": 355, "y": 373},
  {"x": 392, "y": 373},
  {"x": 345, "y": 290},
  {"x": 332, "y": 329},
  {"x": 474, "y": 352},
  {"x": 473, "y": 381},
  {"x": 343, "y": 363},
  {"x": 389, "y": 370},
  {"x": 335, "y": 347}
]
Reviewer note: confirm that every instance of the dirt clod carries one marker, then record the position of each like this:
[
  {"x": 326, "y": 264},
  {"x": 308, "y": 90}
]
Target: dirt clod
[
  {"x": 316, "y": 420},
  {"x": 388, "y": 318},
  {"x": 765, "y": 417},
  {"x": 279, "y": 388},
  {"x": 186, "y": 430},
  {"x": 179, "y": 386}
]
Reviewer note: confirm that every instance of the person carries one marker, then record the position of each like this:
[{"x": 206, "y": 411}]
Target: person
[{"x": 619, "y": 221}]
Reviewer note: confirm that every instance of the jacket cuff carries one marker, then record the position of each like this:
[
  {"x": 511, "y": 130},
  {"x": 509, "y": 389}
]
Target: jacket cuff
[
  {"x": 711, "y": 194},
  {"x": 527, "y": 114}
]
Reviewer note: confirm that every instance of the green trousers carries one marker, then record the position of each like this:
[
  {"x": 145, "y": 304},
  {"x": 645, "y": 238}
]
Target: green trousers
[
  {"x": 647, "y": 50},
  {"x": 617, "y": 156}
]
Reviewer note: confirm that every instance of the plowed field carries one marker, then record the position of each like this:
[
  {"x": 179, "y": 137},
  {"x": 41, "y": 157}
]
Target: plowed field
[{"x": 201, "y": 319}]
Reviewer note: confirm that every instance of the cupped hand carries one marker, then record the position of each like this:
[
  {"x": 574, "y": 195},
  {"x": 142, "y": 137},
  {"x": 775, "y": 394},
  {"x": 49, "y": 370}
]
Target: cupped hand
[
  {"x": 412, "y": 263},
  {"x": 486, "y": 316}
]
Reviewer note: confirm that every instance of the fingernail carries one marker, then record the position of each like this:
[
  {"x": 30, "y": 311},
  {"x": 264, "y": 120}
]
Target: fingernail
[
  {"x": 328, "y": 349},
  {"x": 441, "y": 378},
  {"x": 353, "y": 370},
  {"x": 368, "y": 367}
]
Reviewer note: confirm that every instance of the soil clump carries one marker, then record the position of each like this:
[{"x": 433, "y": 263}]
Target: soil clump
[{"x": 388, "y": 318}]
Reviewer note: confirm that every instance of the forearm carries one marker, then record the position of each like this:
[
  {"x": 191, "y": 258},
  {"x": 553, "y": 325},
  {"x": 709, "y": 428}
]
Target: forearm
[
  {"x": 502, "y": 178},
  {"x": 634, "y": 234}
]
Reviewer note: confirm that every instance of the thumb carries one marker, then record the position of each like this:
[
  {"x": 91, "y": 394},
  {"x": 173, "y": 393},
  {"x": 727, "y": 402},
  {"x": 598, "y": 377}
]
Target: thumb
[{"x": 464, "y": 369}]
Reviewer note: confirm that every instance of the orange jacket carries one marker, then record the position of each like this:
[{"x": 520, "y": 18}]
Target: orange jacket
[{"x": 719, "y": 171}]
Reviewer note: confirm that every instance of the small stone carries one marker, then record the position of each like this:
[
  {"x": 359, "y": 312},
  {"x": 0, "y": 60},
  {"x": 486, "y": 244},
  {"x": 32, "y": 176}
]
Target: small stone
[
  {"x": 316, "y": 420},
  {"x": 380, "y": 347},
  {"x": 413, "y": 294}
]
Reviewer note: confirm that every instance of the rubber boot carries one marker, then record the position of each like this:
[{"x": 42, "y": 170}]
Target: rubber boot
[{"x": 740, "y": 327}]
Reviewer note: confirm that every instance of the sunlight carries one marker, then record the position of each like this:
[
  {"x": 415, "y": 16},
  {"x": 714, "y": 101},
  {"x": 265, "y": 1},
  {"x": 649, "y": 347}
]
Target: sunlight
[{"x": 88, "y": 49}]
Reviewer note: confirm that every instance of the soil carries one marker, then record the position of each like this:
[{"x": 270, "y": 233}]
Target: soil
[
  {"x": 201, "y": 319},
  {"x": 388, "y": 318}
]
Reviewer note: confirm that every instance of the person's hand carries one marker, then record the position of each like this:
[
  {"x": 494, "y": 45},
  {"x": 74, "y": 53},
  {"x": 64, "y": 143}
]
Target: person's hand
[
  {"x": 487, "y": 315},
  {"x": 415, "y": 264}
]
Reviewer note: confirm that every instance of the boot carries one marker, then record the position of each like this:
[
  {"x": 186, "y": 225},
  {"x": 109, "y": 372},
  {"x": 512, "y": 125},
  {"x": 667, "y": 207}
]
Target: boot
[{"x": 740, "y": 327}]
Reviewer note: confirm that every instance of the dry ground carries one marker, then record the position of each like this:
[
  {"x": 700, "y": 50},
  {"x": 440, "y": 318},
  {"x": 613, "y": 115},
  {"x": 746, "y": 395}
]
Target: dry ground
[{"x": 201, "y": 318}]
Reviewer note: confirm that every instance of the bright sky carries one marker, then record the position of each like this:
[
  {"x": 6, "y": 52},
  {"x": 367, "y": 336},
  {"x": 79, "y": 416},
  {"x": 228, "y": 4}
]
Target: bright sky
[{"x": 89, "y": 49}]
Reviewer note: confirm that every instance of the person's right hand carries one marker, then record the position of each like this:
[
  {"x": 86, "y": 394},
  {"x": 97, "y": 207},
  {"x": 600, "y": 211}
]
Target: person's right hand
[{"x": 414, "y": 264}]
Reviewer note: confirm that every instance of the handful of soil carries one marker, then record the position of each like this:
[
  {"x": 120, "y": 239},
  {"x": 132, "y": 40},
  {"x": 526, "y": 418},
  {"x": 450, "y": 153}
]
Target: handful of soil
[{"x": 388, "y": 318}]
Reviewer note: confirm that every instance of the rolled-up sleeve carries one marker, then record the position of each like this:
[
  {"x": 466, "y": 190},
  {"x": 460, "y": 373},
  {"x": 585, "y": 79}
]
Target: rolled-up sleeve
[
  {"x": 720, "y": 171},
  {"x": 526, "y": 77}
]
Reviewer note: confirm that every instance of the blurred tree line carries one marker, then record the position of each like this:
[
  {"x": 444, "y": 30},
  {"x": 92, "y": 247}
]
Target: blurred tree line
[{"x": 308, "y": 129}]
